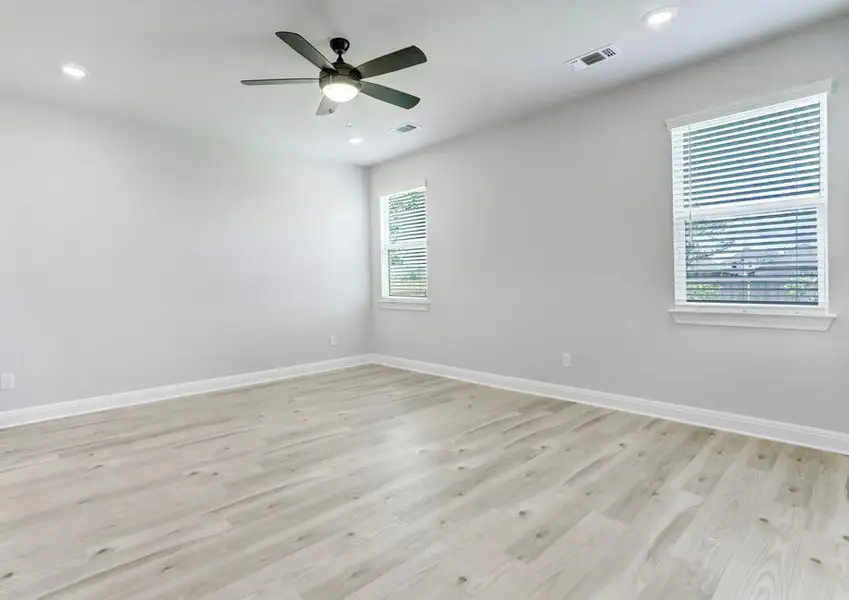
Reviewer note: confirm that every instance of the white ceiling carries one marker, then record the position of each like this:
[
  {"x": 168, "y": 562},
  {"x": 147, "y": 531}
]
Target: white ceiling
[{"x": 180, "y": 61}]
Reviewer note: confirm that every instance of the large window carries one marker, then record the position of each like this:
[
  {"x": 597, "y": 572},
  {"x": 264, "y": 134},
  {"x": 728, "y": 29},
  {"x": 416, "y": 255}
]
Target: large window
[
  {"x": 403, "y": 245},
  {"x": 750, "y": 198}
]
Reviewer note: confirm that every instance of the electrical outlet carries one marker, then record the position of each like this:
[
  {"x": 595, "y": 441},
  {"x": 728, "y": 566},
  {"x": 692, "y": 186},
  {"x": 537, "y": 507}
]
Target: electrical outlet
[
  {"x": 566, "y": 360},
  {"x": 334, "y": 341},
  {"x": 7, "y": 381}
]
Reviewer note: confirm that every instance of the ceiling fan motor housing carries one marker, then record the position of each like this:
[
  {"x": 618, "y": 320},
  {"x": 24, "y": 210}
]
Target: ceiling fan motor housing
[{"x": 339, "y": 46}]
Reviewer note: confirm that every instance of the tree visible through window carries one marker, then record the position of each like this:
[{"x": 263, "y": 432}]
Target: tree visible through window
[{"x": 404, "y": 244}]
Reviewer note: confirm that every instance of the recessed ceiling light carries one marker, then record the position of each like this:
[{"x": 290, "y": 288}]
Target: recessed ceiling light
[
  {"x": 659, "y": 18},
  {"x": 75, "y": 72},
  {"x": 356, "y": 141}
]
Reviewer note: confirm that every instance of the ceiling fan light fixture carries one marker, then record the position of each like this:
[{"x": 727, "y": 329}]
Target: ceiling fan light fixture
[{"x": 340, "y": 88}]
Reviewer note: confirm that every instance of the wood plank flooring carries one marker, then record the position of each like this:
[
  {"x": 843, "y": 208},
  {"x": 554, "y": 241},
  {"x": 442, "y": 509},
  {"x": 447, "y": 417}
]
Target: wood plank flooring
[{"x": 374, "y": 483}]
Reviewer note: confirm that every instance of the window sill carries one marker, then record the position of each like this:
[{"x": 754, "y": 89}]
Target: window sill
[
  {"x": 404, "y": 304},
  {"x": 763, "y": 318}
]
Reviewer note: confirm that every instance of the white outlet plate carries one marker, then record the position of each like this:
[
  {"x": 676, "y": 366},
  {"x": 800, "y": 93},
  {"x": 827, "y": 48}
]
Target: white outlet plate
[
  {"x": 334, "y": 341},
  {"x": 7, "y": 381},
  {"x": 566, "y": 360}
]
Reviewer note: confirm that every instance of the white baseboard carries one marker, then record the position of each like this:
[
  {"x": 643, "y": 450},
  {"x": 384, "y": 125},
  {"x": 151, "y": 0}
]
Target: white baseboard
[
  {"x": 800, "y": 435},
  {"x": 36, "y": 414}
]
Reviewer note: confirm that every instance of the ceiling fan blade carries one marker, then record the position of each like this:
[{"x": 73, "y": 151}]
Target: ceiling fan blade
[
  {"x": 327, "y": 107},
  {"x": 277, "y": 81},
  {"x": 390, "y": 95},
  {"x": 305, "y": 49},
  {"x": 400, "y": 59}
]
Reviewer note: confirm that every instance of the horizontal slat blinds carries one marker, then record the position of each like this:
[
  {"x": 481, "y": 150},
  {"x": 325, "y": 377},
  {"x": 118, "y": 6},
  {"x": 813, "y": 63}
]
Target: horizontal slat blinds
[
  {"x": 749, "y": 193},
  {"x": 408, "y": 273},
  {"x": 770, "y": 258},
  {"x": 405, "y": 245},
  {"x": 763, "y": 157}
]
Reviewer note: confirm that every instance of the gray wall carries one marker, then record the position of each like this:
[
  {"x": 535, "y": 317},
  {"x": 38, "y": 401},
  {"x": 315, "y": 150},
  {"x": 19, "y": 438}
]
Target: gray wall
[
  {"x": 132, "y": 257},
  {"x": 554, "y": 234}
]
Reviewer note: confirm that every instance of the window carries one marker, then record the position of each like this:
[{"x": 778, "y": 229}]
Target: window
[
  {"x": 750, "y": 200},
  {"x": 403, "y": 246}
]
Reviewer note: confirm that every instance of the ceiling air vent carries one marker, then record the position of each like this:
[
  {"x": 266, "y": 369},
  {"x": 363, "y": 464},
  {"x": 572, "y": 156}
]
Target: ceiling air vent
[
  {"x": 593, "y": 58},
  {"x": 405, "y": 128}
]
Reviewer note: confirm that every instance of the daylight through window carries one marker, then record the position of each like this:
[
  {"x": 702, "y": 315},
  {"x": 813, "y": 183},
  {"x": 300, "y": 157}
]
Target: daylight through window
[
  {"x": 750, "y": 200},
  {"x": 404, "y": 245}
]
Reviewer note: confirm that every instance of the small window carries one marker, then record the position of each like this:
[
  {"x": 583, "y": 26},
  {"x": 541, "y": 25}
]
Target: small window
[
  {"x": 750, "y": 199},
  {"x": 403, "y": 245}
]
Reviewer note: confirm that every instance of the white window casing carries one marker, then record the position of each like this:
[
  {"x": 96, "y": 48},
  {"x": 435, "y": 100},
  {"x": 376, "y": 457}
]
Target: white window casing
[
  {"x": 403, "y": 250},
  {"x": 750, "y": 207}
]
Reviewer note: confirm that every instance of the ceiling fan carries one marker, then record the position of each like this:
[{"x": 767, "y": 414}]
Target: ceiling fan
[{"x": 341, "y": 82}]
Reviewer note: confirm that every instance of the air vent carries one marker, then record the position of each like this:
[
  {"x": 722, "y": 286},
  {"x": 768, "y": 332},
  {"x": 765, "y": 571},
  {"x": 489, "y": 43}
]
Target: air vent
[
  {"x": 593, "y": 58},
  {"x": 405, "y": 128}
]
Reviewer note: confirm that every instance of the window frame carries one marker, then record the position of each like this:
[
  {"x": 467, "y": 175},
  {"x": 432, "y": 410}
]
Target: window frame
[
  {"x": 402, "y": 302},
  {"x": 742, "y": 314}
]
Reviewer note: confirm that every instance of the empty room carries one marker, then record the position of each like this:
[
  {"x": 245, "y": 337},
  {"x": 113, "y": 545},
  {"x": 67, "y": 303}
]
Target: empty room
[{"x": 396, "y": 300}]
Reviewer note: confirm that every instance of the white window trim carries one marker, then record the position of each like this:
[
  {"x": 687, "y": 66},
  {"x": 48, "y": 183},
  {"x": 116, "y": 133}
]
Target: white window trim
[
  {"x": 767, "y": 317},
  {"x": 420, "y": 304},
  {"x": 816, "y": 88},
  {"x": 397, "y": 302},
  {"x": 760, "y": 318}
]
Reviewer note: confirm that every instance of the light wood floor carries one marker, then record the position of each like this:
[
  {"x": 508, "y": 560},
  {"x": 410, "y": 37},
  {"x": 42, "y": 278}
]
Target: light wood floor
[{"x": 374, "y": 483}]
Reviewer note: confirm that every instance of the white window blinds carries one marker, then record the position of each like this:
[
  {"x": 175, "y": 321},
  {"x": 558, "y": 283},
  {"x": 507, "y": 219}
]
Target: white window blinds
[
  {"x": 750, "y": 207},
  {"x": 404, "y": 245}
]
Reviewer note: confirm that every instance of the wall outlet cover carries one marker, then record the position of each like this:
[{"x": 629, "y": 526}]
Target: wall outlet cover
[
  {"x": 566, "y": 360},
  {"x": 7, "y": 381}
]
